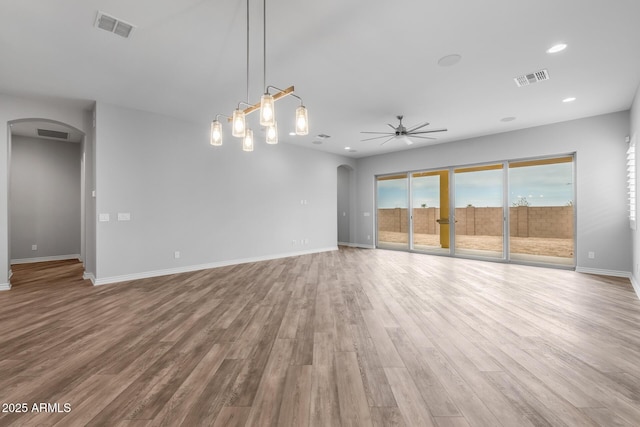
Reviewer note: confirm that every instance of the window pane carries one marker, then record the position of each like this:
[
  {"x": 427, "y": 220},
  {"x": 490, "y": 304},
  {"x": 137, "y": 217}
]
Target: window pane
[
  {"x": 393, "y": 216},
  {"x": 430, "y": 193},
  {"x": 541, "y": 211},
  {"x": 479, "y": 227}
]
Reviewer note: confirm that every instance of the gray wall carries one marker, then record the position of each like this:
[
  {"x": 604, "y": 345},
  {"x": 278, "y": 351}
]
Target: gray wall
[
  {"x": 45, "y": 198},
  {"x": 599, "y": 144},
  {"x": 344, "y": 200},
  {"x": 213, "y": 205},
  {"x": 89, "y": 253}
]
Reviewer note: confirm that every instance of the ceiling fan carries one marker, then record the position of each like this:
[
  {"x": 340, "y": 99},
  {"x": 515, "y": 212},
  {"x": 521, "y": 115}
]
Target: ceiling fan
[{"x": 401, "y": 132}]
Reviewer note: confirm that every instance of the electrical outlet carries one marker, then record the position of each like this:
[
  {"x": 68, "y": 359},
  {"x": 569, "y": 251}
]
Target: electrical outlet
[
  {"x": 176, "y": 254},
  {"x": 34, "y": 247},
  {"x": 591, "y": 255},
  {"x": 368, "y": 237}
]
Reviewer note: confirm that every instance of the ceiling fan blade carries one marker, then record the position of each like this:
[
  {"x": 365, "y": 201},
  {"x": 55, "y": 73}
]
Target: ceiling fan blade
[
  {"x": 393, "y": 137},
  {"x": 413, "y": 129},
  {"x": 377, "y": 137},
  {"x": 391, "y": 126},
  {"x": 385, "y": 133},
  {"x": 421, "y": 137},
  {"x": 426, "y": 131}
]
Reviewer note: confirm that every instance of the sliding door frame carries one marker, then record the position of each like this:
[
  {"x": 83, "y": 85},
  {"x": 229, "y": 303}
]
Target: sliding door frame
[{"x": 506, "y": 222}]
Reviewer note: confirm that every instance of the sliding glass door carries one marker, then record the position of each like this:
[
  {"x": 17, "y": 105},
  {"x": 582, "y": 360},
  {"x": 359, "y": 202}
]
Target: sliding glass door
[
  {"x": 479, "y": 211},
  {"x": 541, "y": 211},
  {"x": 514, "y": 210},
  {"x": 430, "y": 211},
  {"x": 392, "y": 212}
]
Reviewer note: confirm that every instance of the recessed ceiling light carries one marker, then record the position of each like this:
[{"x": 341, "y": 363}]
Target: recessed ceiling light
[
  {"x": 347, "y": 148},
  {"x": 507, "y": 119},
  {"x": 449, "y": 60},
  {"x": 292, "y": 133},
  {"x": 570, "y": 99},
  {"x": 557, "y": 48}
]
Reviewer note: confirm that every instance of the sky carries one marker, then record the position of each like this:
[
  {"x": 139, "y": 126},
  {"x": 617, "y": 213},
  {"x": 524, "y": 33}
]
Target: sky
[{"x": 542, "y": 185}]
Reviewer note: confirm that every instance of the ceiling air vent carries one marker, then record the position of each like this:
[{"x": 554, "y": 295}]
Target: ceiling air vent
[
  {"x": 53, "y": 134},
  {"x": 113, "y": 25},
  {"x": 527, "y": 79}
]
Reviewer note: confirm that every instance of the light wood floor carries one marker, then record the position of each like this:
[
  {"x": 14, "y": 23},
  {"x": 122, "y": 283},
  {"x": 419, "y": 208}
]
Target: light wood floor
[{"x": 352, "y": 337}]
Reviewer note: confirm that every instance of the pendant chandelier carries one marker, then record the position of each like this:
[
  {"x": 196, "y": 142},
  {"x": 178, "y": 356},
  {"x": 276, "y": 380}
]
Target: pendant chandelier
[{"x": 266, "y": 106}]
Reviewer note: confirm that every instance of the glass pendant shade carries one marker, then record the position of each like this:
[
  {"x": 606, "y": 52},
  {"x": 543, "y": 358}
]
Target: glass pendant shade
[
  {"x": 272, "y": 134},
  {"x": 238, "y": 123},
  {"x": 247, "y": 141},
  {"x": 267, "y": 110},
  {"x": 302, "y": 121},
  {"x": 216, "y": 133}
]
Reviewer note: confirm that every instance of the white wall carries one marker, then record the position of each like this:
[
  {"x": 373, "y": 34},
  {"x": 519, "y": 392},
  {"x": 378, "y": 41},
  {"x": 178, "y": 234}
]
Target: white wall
[
  {"x": 15, "y": 108},
  {"x": 45, "y": 198},
  {"x": 214, "y": 205},
  {"x": 635, "y": 130},
  {"x": 599, "y": 144}
]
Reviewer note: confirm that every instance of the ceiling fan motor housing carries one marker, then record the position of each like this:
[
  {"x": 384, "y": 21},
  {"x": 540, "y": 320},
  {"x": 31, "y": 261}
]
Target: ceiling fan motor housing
[{"x": 402, "y": 131}]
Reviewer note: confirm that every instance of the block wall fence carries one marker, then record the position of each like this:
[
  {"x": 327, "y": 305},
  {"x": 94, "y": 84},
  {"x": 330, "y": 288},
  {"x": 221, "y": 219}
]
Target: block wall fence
[{"x": 526, "y": 221}]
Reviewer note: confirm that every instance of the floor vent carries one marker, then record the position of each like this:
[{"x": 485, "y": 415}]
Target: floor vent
[
  {"x": 527, "y": 79},
  {"x": 53, "y": 134},
  {"x": 113, "y": 25}
]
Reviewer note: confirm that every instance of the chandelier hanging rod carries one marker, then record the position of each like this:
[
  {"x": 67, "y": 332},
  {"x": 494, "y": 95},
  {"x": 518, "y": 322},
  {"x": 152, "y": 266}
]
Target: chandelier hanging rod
[
  {"x": 283, "y": 90},
  {"x": 281, "y": 94}
]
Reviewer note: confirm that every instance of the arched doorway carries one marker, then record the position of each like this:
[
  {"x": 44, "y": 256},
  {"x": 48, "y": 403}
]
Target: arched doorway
[{"x": 46, "y": 194}]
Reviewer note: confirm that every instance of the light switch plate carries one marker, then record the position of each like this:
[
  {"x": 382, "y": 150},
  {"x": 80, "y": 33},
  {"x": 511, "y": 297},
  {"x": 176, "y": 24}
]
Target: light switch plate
[
  {"x": 124, "y": 216},
  {"x": 103, "y": 217}
]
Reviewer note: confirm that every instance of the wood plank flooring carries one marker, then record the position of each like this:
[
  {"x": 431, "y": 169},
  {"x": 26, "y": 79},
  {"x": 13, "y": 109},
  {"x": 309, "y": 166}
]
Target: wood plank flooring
[{"x": 346, "y": 338}]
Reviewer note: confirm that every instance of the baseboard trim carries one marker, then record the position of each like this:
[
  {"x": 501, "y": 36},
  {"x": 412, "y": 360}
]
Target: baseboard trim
[
  {"x": 45, "y": 259},
  {"x": 356, "y": 245},
  {"x": 614, "y": 273},
  {"x": 5, "y": 286},
  {"x": 190, "y": 268},
  {"x": 89, "y": 276},
  {"x": 636, "y": 285}
]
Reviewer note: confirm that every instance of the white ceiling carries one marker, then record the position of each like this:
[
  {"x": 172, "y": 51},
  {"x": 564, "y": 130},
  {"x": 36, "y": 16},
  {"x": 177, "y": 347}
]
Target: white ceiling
[{"x": 357, "y": 64}]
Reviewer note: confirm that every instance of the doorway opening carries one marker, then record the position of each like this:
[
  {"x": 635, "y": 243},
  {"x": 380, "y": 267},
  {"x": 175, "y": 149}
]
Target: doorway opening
[
  {"x": 46, "y": 221},
  {"x": 345, "y": 205}
]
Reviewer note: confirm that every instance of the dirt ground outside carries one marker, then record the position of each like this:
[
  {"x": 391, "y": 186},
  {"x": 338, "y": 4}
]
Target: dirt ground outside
[{"x": 519, "y": 245}]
